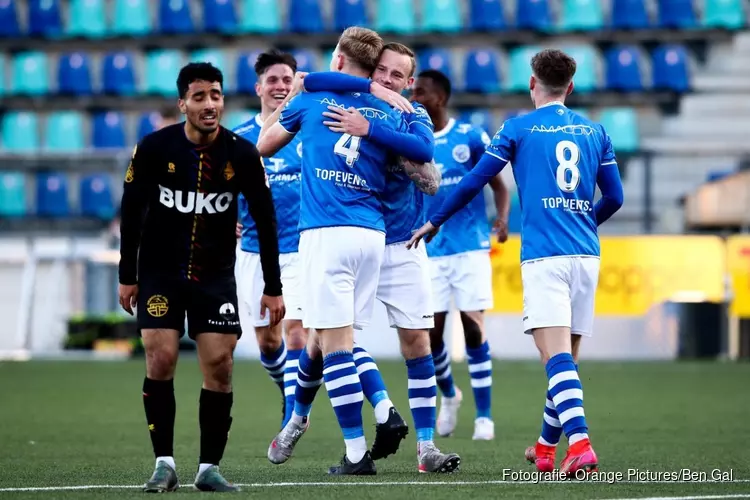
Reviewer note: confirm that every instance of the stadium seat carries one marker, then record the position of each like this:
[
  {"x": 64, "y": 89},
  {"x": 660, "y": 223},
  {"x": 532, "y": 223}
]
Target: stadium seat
[
  {"x": 246, "y": 76},
  {"x": 307, "y": 60},
  {"x": 44, "y": 18},
  {"x": 520, "y": 68},
  {"x": 9, "y": 27},
  {"x": 441, "y": 16},
  {"x": 30, "y": 75},
  {"x": 95, "y": 193},
  {"x": 305, "y": 16},
  {"x": 109, "y": 130},
  {"x": 64, "y": 132},
  {"x": 162, "y": 68},
  {"x": 584, "y": 113},
  {"x": 3, "y": 62},
  {"x": 622, "y": 126},
  {"x": 435, "y": 58},
  {"x": 87, "y": 19},
  {"x": 219, "y": 16},
  {"x": 12, "y": 194},
  {"x": 728, "y": 14},
  {"x": 670, "y": 68},
  {"x": 174, "y": 17},
  {"x": 260, "y": 16},
  {"x": 20, "y": 132},
  {"x": 623, "y": 69},
  {"x": 148, "y": 123},
  {"x": 629, "y": 15},
  {"x": 514, "y": 217},
  {"x": 481, "y": 72},
  {"x": 73, "y": 74},
  {"x": 132, "y": 17},
  {"x": 581, "y": 15},
  {"x": 487, "y": 15},
  {"x": 481, "y": 118},
  {"x": 586, "y": 78},
  {"x": 215, "y": 57},
  {"x": 676, "y": 14},
  {"x": 533, "y": 15},
  {"x": 395, "y": 16},
  {"x": 52, "y": 194},
  {"x": 516, "y": 112},
  {"x": 349, "y": 13},
  {"x": 118, "y": 75},
  {"x": 236, "y": 117}
]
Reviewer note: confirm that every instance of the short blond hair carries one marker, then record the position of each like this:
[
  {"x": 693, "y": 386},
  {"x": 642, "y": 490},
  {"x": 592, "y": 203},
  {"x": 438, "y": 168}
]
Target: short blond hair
[
  {"x": 402, "y": 49},
  {"x": 362, "y": 46}
]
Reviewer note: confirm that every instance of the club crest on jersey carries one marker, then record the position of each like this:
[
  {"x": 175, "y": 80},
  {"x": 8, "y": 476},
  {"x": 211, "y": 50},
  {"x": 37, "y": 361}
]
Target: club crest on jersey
[
  {"x": 228, "y": 171},
  {"x": 170, "y": 168},
  {"x": 129, "y": 175},
  {"x": 461, "y": 153}
]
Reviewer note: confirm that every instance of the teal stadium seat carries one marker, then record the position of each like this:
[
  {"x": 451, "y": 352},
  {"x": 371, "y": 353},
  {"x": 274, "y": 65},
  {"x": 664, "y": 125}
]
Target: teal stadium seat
[
  {"x": 581, "y": 15},
  {"x": 237, "y": 117},
  {"x": 87, "y": 19},
  {"x": 395, "y": 16},
  {"x": 260, "y": 16},
  {"x": 728, "y": 14},
  {"x": 64, "y": 132},
  {"x": 20, "y": 132},
  {"x": 30, "y": 73},
  {"x": 622, "y": 126},
  {"x": 132, "y": 17},
  {"x": 162, "y": 68},
  {"x": 520, "y": 68},
  {"x": 441, "y": 16},
  {"x": 12, "y": 194},
  {"x": 586, "y": 78},
  {"x": 215, "y": 57},
  {"x": 584, "y": 113}
]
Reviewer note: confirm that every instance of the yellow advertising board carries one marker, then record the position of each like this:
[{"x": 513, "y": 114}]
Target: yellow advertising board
[
  {"x": 637, "y": 272},
  {"x": 738, "y": 263}
]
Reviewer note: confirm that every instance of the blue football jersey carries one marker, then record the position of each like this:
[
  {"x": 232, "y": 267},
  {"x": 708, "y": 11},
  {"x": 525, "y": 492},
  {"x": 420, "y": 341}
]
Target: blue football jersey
[
  {"x": 555, "y": 154},
  {"x": 403, "y": 203},
  {"x": 458, "y": 147},
  {"x": 284, "y": 172},
  {"x": 343, "y": 176}
]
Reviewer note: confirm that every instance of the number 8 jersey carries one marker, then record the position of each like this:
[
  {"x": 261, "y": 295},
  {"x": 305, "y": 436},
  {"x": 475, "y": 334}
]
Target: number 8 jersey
[{"x": 555, "y": 154}]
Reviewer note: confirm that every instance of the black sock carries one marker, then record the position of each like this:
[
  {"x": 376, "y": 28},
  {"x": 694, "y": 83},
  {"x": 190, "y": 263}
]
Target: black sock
[
  {"x": 215, "y": 420},
  {"x": 158, "y": 400}
]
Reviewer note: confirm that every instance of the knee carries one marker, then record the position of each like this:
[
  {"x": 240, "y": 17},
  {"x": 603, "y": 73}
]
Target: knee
[
  {"x": 218, "y": 370},
  {"x": 296, "y": 336},
  {"x": 269, "y": 339},
  {"x": 415, "y": 343},
  {"x": 473, "y": 333},
  {"x": 161, "y": 363}
]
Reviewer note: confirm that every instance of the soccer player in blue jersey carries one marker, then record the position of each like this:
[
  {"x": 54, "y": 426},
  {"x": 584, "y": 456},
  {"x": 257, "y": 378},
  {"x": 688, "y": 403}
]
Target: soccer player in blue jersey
[
  {"x": 460, "y": 258},
  {"x": 558, "y": 158}
]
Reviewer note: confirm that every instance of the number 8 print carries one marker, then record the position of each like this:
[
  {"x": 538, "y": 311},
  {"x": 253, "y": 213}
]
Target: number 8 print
[{"x": 565, "y": 165}]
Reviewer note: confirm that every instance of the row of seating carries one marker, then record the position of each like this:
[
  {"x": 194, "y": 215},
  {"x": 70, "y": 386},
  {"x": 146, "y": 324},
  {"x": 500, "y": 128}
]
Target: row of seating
[
  {"x": 100, "y": 18},
  {"x": 482, "y": 70}
]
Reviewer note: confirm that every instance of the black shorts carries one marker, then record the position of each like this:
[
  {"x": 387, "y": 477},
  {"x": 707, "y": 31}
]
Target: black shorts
[{"x": 211, "y": 307}]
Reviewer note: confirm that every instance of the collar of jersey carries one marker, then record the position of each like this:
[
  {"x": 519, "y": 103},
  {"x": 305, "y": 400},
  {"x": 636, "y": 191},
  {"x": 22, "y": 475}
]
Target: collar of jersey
[
  {"x": 448, "y": 127},
  {"x": 258, "y": 120},
  {"x": 553, "y": 103}
]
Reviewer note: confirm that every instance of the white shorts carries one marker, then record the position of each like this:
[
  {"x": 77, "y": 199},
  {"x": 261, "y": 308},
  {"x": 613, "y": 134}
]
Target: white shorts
[
  {"x": 249, "y": 276},
  {"x": 340, "y": 269},
  {"x": 560, "y": 291},
  {"x": 465, "y": 276},
  {"x": 404, "y": 287}
]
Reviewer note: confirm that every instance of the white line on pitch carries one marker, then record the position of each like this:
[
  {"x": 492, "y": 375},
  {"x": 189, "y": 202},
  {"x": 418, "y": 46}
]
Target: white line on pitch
[{"x": 698, "y": 497}]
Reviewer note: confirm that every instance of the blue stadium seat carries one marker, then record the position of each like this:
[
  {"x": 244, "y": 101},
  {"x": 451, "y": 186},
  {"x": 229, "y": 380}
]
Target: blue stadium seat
[
  {"x": 162, "y": 68},
  {"x": 728, "y": 14},
  {"x": 174, "y": 17},
  {"x": 132, "y": 17},
  {"x": 442, "y": 16},
  {"x": 9, "y": 27},
  {"x": 118, "y": 74},
  {"x": 307, "y": 60},
  {"x": 44, "y": 18},
  {"x": 349, "y": 13},
  {"x": 246, "y": 76},
  {"x": 260, "y": 16},
  {"x": 533, "y": 15},
  {"x": 64, "y": 132},
  {"x": 20, "y": 132},
  {"x": 481, "y": 72},
  {"x": 586, "y": 78},
  {"x": 109, "y": 130},
  {"x": 148, "y": 122},
  {"x": 87, "y": 19},
  {"x": 624, "y": 69},
  {"x": 487, "y": 15},
  {"x": 74, "y": 74},
  {"x": 435, "y": 58},
  {"x": 219, "y": 16},
  {"x": 3, "y": 62},
  {"x": 582, "y": 15},
  {"x": 629, "y": 15},
  {"x": 52, "y": 194},
  {"x": 236, "y": 117},
  {"x": 516, "y": 112},
  {"x": 622, "y": 126},
  {"x": 670, "y": 68},
  {"x": 95, "y": 193},
  {"x": 30, "y": 74},
  {"x": 481, "y": 118},
  {"x": 395, "y": 16},
  {"x": 12, "y": 194},
  {"x": 305, "y": 16},
  {"x": 519, "y": 70},
  {"x": 676, "y": 14}
]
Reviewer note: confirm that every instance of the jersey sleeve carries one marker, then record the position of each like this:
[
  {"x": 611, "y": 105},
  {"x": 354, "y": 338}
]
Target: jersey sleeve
[
  {"x": 291, "y": 116},
  {"x": 402, "y": 141},
  {"x": 478, "y": 143},
  {"x": 329, "y": 81},
  {"x": 503, "y": 144},
  {"x": 608, "y": 151},
  {"x": 420, "y": 120}
]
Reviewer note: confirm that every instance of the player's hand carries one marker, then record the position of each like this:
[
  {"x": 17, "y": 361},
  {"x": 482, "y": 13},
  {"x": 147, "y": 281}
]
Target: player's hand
[
  {"x": 395, "y": 99},
  {"x": 298, "y": 85},
  {"x": 428, "y": 231},
  {"x": 238, "y": 230},
  {"x": 275, "y": 306},
  {"x": 501, "y": 228},
  {"x": 347, "y": 121},
  {"x": 128, "y": 297}
]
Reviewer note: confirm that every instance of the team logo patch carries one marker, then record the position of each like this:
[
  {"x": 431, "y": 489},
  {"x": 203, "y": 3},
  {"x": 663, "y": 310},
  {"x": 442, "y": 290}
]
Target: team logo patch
[
  {"x": 461, "y": 153},
  {"x": 129, "y": 174},
  {"x": 228, "y": 171},
  {"x": 299, "y": 150},
  {"x": 157, "y": 306},
  {"x": 485, "y": 138},
  {"x": 170, "y": 167},
  {"x": 227, "y": 311}
]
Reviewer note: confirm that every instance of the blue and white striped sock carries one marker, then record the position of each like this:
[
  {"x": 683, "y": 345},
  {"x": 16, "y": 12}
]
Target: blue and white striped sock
[
  {"x": 422, "y": 396},
  {"x": 551, "y": 428},
  {"x": 290, "y": 381},
  {"x": 373, "y": 385},
  {"x": 443, "y": 372},
  {"x": 274, "y": 364},
  {"x": 480, "y": 370},
  {"x": 309, "y": 380},
  {"x": 567, "y": 395},
  {"x": 345, "y": 393}
]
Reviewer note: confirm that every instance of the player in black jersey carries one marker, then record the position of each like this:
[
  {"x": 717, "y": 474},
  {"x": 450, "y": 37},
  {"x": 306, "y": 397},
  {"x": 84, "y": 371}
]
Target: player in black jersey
[{"x": 179, "y": 210}]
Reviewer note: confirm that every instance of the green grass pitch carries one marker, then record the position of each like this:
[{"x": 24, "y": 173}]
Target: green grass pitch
[{"x": 82, "y": 423}]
